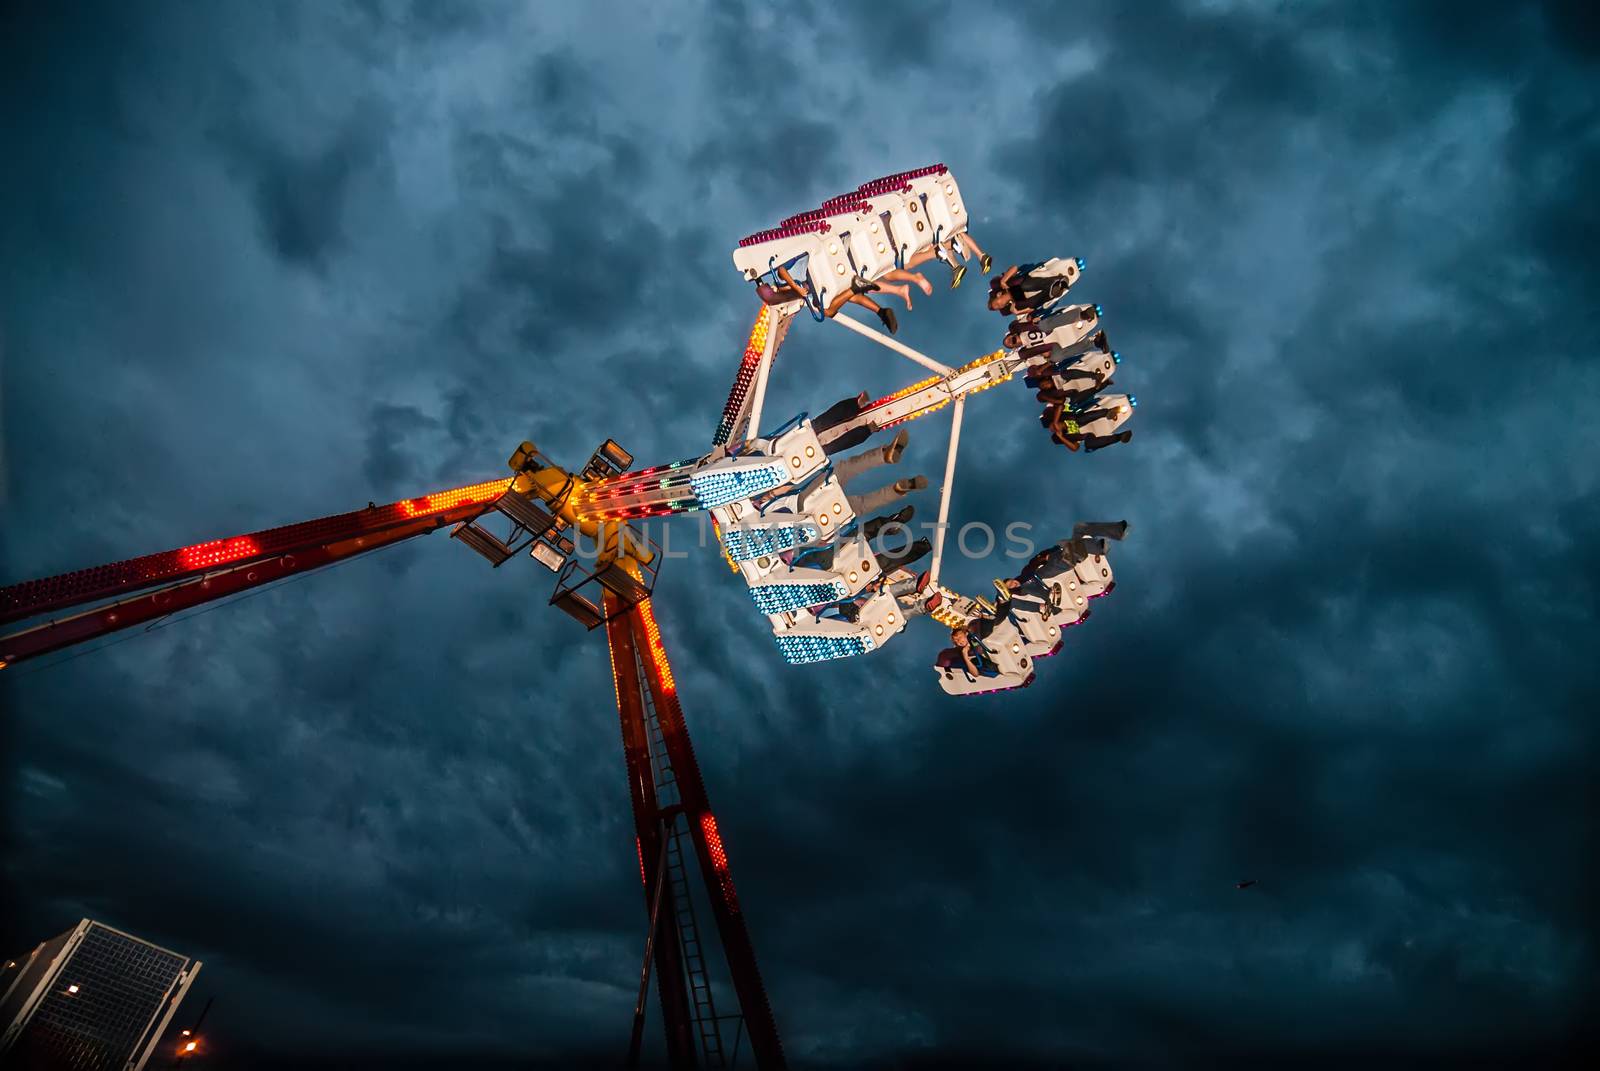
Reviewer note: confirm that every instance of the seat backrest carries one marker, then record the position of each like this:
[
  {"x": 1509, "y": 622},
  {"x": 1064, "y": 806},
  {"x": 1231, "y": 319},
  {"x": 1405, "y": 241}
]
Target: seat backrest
[
  {"x": 1094, "y": 571},
  {"x": 761, "y": 252},
  {"x": 872, "y": 252},
  {"x": 1091, "y": 370},
  {"x": 1067, "y": 327},
  {"x": 798, "y": 448},
  {"x": 954, "y": 680},
  {"x": 854, "y": 567},
  {"x": 1120, "y": 408},
  {"x": 903, "y": 237},
  {"x": 942, "y": 203},
  {"x": 804, "y": 637}
]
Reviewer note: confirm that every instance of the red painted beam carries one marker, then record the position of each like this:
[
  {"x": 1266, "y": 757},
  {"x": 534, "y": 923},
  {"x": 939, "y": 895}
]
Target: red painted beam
[
  {"x": 32, "y": 598},
  {"x": 218, "y": 584}
]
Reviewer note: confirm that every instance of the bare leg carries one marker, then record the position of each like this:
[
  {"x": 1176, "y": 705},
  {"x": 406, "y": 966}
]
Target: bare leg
[
  {"x": 971, "y": 244},
  {"x": 901, "y": 292},
  {"x": 915, "y": 278}
]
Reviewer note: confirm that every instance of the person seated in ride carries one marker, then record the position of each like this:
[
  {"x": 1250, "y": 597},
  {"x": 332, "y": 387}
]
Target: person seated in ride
[
  {"x": 1066, "y": 429},
  {"x": 1028, "y": 594},
  {"x": 962, "y": 245},
  {"x": 822, "y": 557},
  {"x": 966, "y": 652},
  {"x": 1016, "y": 292},
  {"x": 855, "y": 293},
  {"x": 1069, "y": 552}
]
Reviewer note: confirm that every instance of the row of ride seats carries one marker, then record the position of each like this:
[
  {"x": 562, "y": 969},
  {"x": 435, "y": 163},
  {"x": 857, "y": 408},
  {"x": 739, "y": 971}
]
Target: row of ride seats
[
  {"x": 863, "y": 233},
  {"x": 1068, "y": 350},
  {"x": 814, "y": 512},
  {"x": 1077, "y": 571}
]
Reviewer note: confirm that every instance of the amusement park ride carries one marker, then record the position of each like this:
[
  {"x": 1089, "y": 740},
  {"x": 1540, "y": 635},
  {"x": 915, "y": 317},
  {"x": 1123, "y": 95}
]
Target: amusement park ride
[{"x": 785, "y": 525}]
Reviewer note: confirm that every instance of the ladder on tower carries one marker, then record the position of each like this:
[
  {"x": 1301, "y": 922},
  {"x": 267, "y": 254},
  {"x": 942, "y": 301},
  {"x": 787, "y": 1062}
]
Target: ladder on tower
[{"x": 707, "y": 1023}]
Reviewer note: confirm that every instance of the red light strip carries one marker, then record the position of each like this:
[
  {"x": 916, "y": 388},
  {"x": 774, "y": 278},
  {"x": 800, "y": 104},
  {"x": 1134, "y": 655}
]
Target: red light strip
[{"x": 719, "y": 860}]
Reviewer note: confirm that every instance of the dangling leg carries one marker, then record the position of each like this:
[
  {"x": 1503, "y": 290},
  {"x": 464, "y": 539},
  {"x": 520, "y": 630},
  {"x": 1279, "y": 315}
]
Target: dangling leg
[
  {"x": 985, "y": 261},
  {"x": 872, "y": 501},
  {"x": 855, "y": 465},
  {"x": 917, "y": 279},
  {"x": 1100, "y": 529}
]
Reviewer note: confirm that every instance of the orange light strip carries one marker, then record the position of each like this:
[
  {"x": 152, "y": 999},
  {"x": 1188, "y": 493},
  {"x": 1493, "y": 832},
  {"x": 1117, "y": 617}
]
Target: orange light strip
[
  {"x": 754, "y": 348},
  {"x": 658, "y": 653},
  {"x": 461, "y": 496}
]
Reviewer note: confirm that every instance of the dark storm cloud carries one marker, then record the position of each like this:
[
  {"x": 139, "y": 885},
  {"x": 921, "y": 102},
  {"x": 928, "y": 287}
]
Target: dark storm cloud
[{"x": 265, "y": 266}]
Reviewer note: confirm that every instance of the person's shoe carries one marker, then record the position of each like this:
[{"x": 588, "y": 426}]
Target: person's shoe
[
  {"x": 922, "y": 582},
  {"x": 1125, "y": 436},
  {"x": 887, "y": 316},
  {"x": 957, "y": 275},
  {"x": 896, "y": 447},
  {"x": 916, "y": 483},
  {"x": 917, "y": 550},
  {"x": 933, "y": 602},
  {"x": 862, "y": 399},
  {"x": 985, "y": 263}
]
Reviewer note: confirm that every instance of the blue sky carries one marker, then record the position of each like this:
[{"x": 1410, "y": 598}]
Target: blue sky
[{"x": 261, "y": 263}]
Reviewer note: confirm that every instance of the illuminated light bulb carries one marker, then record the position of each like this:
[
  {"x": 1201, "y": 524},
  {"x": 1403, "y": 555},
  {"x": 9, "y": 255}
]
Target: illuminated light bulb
[
  {"x": 811, "y": 451},
  {"x": 1016, "y": 648},
  {"x": 1080, "y": 600},
  {"x": 837, "y": 508},
  {"x": 874, "y": 229},
  {"x": 854, "y": 576},
  {"x": 822, "y": 518},
  {"x": 72, "y": 989},
  {"x": 839, "y": 268},
  {"x": 833, "y": 249},
  {"x": 1053, "y": 630},
  {"x": 949, "y": 187},
  {"x": 881, "y": 247},
  {"x": 891, "y": 619},
  {"x": 795, "y": 461},
  {"x": 877, "y": 630}
]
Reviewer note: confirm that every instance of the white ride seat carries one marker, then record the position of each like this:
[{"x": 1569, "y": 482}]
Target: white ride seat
[
  {"x": 760, "y": 253},
  {"x": 942, "y": 204},
  {"x": 1058, "y": 275},
  {"x": 1068, "y": 327},
  {"x": 1090, "y": 372},
  {"x": 1006, "y": 649},
  {"x": 1120, "y": 408},
  {"x": 903, "y": 238},
  {"x": 777, "y": 587},
  {"x": 803, "y": 637}
]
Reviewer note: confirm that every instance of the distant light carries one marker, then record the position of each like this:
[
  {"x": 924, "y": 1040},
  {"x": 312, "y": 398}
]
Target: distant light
[
  {"x": 190, "y": 1047},
  {"x": 72, "y": 989},
  {"x": 186, "y": 1033}
]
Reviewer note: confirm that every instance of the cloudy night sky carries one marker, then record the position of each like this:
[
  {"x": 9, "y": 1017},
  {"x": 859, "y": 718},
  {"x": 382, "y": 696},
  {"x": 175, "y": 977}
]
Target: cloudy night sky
[{"x": 267, "y": 262}]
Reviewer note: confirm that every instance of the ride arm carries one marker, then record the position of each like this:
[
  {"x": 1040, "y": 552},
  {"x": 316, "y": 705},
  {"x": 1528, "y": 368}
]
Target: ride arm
[{"x": 204, "y": 572}]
